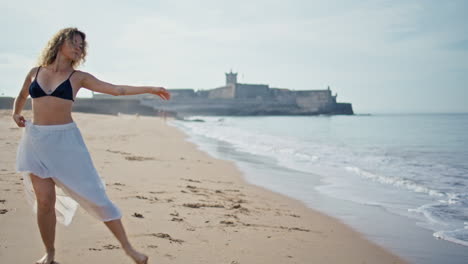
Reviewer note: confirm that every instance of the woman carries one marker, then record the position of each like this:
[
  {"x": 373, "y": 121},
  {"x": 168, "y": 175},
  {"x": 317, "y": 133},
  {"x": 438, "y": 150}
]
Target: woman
[{"x": 52, "y": 152}]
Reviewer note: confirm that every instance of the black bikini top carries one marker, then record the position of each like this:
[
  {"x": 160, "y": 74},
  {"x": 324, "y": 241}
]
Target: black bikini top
[{"x": 64, "y": 90}]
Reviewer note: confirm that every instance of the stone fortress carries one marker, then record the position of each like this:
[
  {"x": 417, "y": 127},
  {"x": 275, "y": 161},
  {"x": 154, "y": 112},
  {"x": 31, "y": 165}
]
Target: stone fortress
[{"x": 244, "y": 99}]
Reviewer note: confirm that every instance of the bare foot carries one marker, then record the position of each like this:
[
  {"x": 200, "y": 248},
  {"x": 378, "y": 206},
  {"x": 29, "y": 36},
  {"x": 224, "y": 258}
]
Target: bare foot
[
  {"x": 138, "y": 257},
  {"x": 48, "y": 258}
]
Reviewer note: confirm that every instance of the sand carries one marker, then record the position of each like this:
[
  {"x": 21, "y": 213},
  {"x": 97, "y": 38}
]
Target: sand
[{"x": 180, "y": 205}]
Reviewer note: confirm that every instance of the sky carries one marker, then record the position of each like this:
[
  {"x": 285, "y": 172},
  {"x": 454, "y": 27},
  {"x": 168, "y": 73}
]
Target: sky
[{"x": 399, "y": 56}]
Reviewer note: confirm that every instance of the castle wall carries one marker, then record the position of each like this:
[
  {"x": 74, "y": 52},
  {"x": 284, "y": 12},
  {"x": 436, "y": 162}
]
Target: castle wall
[
  {"x": 315, "y": 100},
  {"x": 113, "y": 97},
  {"x": 283, "y": 96},
  {"x": 252, "y": 91},
  {"x": 182, "y": 93},
  {"x": 343, "y": 109},
  {"x": 113, "y": 107},
  {"x": 226, "y": 92}
]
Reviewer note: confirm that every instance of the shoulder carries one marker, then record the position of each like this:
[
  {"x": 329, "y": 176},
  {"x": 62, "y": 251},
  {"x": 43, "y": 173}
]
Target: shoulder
[
  {"x": 29, "y": 78},
  {"x": 32, "y": 72},
  {"x": 83, "y": 78},
  {"x": 82, "y": 74}
]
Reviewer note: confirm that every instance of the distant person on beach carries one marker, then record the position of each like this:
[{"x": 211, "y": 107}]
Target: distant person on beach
[{"x": 58, "y": 172}]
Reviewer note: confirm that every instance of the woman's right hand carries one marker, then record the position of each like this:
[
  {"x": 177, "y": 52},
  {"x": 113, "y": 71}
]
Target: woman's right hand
[
  {"x": 161, "y": 92},
  {"x": 19, "y": 120}
]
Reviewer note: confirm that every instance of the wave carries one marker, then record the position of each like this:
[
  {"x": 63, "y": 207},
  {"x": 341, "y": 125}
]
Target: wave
[
  {"x": 459, "y": 236},
  {"x": 396, "y": 181},
  {"x": 286, "y": 151}
]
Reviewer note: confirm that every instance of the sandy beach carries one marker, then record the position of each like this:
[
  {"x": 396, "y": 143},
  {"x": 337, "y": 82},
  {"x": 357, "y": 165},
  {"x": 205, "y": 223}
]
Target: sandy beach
[{"x": 179, "y": 205}]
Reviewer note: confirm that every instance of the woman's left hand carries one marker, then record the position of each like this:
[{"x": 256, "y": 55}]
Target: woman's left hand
[
  {"x": 161, "y": 92},
  {"x": 19, "y": 120}
]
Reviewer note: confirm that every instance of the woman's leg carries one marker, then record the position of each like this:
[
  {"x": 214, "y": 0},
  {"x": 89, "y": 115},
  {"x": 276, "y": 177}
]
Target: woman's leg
[
  {"x": 45, "y": 196},
  {"x": 118, "y": 230}
]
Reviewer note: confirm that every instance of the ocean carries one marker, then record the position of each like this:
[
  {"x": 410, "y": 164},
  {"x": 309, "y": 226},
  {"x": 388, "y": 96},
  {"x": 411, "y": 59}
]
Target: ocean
[{"x": 399, "y": 179}]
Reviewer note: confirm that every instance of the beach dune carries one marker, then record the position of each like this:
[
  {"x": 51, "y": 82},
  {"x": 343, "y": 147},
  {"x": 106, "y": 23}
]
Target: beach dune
[{"x": 179, "y": 205}]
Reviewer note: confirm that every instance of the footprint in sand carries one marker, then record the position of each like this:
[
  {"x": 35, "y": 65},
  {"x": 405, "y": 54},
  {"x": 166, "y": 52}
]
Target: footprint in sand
[
  {"x": 298, "y": 229},
  {"x": 192, "y": 188},
  {"x": 110, "y": 247},
  {"x": 118, "y": 152},
  {"x": 174, "y": 214},
  {"x": 138, "y": 158},
  {"x": 107, "y": 247},
  {"x": 237, "y": 201},
  {"x": 169, "y": 256},
  {"x": 129, "y": 157},
  {"x": 227, "y": 222},
  {"x": 231, "y": 215},
  {"x": 200, "y": 205},
  {"x": 236, "y": 206},
  {"x": 137, "y": 215},
  {"x": 168, "y": 237},
  {"x": 157, "y": 192},
  {"x": 190, "y": 180},
  {"x": 232, "y": 190},
  {"x": 151, "y": 199}
]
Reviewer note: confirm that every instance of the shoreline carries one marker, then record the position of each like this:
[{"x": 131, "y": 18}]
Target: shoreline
[
  {"x": 195, "y": 208},
  {"x": 321, "y": 188}
]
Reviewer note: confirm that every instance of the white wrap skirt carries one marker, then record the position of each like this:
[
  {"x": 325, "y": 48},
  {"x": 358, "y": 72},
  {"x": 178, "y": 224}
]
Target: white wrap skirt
[{"x": 59, "y": 152}]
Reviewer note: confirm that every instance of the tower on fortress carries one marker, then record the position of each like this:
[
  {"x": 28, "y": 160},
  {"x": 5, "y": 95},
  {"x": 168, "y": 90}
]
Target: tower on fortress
[{"x": 231, "y": 78}]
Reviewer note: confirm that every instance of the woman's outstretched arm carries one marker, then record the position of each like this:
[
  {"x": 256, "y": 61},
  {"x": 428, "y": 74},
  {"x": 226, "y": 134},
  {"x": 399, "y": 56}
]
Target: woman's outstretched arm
[{"x": 94, "y": 84}]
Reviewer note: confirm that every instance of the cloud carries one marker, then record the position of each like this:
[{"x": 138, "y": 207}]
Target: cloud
[
  {"x": 14, "y": 68},
  {"x": 458, "y": 45}
]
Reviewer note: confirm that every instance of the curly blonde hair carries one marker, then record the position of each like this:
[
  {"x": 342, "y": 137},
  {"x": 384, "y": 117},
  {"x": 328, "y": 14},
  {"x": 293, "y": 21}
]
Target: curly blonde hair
[{"x": 49, "y": 54}]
